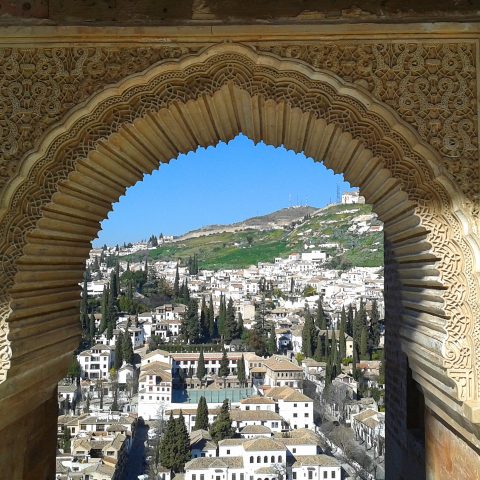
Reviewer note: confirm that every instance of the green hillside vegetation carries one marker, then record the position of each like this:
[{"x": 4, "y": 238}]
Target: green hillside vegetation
[{"x": 248, "y": 247}]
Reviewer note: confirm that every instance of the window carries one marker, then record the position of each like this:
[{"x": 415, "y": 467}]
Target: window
[
  {"x": 234, "y": 476},
  {"x": 306, "y": 414},
  {"x": 294, "y": 404},
  {"x": 333, "y": 474},
  {"x": 259, "y": 459},
  {"x": 310, "y": 475},
  {"x": 247, "y": 408},
  {"x": 279, "y": 459},
  {"x": 242, "y": 476},
  {"x": 251, "y": 459},
  {"x": 306, "y": 404},
  {"x": 228, "y": 453},
  {"x": 295, "y": 415},
  {"x": 294, "y": 475},
  {"x": 265, "y": 459},
  {"x": 294, "y": 450},
  {"x": 194, "y": 477},
  {"x": 272, "y": 459},
  {"x": 325, "y": 474}
]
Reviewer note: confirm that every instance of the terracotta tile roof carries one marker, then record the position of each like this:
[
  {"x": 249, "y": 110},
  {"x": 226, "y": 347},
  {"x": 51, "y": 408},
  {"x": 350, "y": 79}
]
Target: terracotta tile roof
[
  {"x": 249, "y": 415},
  {"x": 204, "y": 463},
  {"x": 262, "y": 444},
  {"x": 266, "y": 471},
  {"x": 282, "y": 366},
  {"x": 255, "y": 429},
  {"x": 257, "y": 400},
  {"x": 314, "y": 460}
]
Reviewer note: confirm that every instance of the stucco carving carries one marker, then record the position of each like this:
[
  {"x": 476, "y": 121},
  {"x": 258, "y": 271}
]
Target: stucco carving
[
  {"x": 432, "y": 86},
  {"x": 291, "y": 83}
]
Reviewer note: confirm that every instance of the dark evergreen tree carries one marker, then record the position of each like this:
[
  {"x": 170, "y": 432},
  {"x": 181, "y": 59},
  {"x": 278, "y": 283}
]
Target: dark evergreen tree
[
  {"x": 230, "y": 325},
  {"x": 176, "y": 284},
  {"x": 355, "y": 361},
  {"x": 201, "y": 419},
  {"x": 222, "y": 426},
  {"x": 222, "y": 314},
  {"x": 240, "y": 327},
  {"x": 320, "y": 318},
  {"x": 342, "y": 345},
  {"x": 309, "y": 334},
  {"x": 204, "y": 323},
  {"x": 182, "y": 444},
  {"x": 211, "y": 319},
  {"x": 190, "y": 328},
  {"x": 127, "y": 346},
  {"x": 374, "y": 331},
  {"x": 119, "y": 351},
  {"x": 92, "y": 328},
  {"x": 381, "y": 376},
  {"x": 364, "y": 343},
  {"x": 241, "y": 375},
  {"x": 104, "y": 309},
  {"x": 201, "y": 371},
  {"x": 167, "y": 445},
  {"x": 349, "y": 326},
  {"x": 272, "y": 341},
  {"x": 224, "y": 369}
]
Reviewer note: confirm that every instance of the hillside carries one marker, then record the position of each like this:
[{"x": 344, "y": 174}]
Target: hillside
[
  {"x": 328, "y": 229},
  {"x": 271, "y": 221}
]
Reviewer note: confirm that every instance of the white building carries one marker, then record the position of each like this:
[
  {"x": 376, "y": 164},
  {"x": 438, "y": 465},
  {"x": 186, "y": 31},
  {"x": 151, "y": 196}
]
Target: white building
[
  {"x": 97, "y": 362},
  {"x": 353, "y": 197},
  {"x": 154, "y": 389}
]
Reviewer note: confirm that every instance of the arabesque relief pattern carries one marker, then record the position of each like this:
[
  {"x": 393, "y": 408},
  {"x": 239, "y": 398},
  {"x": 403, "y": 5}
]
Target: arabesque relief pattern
[
  {"x": 432, "y": 86},
  {"x": 432, "y": 204}
]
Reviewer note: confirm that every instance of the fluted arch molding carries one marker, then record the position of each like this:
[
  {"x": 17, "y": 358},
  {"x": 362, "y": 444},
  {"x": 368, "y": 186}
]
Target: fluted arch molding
[{"x": 53, "y": 209}]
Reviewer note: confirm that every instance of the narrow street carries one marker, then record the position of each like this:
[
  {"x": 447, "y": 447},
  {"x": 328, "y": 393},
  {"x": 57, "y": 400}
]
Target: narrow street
[{"x": 135, "y": 465}]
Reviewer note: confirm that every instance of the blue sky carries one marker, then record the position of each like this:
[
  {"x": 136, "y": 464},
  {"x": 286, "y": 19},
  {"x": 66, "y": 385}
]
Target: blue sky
[{"x": 223, "y": 184}]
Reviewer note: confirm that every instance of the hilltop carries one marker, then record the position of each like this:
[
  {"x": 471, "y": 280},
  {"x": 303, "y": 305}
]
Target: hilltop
[
  {"x": 271, "y": 221},
  {"x": 344, "y": 231}
]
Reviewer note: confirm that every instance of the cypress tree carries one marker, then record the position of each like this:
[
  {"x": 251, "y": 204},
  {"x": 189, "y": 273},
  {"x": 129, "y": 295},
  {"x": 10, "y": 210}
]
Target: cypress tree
[
  {"x": 334, "y": 356},
  {"x": 119, "y": 351},
  {"x": 111, "y": 323},
  {"x": 374, "y": 331},
  {"x": 201, "y": 371},
  {"x": 167, "y": 445},
  {"x": 182, "y": 444},
  {"x": 222, "y": 426},
  {"x": 242, "y": 379},
  {"x": 364, "y": 343},
  {"x": 229, "y": 327},
  {"x": 224, "y": 370},
  {"x": 308, "y": 335},
  {"x": 92, "y": 328},
  {"x": 222, "y": 316},
  {"x": 176, "y": 284},
  {"x": 103, "y": 322},
  {"x": 355, "y": 361},
  {"x": 201, "y": 420},
  {"x": 320, "y": 319},
  {"x": 342, "y": 344},
  {"x": 272, "y": 341},
  {"x": 211, "y": 319},
  {"x": 319, "y": 353},
  {"x": 191, "y": 324},
  {"x": 349, "y": 326},
  {"x": 204, "y": 334},
  {"x": 240, "y": 327},
  {"x": 127, "y": 346}
]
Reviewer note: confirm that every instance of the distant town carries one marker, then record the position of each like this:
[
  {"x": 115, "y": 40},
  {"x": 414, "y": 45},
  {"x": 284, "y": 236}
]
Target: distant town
[{"x": 271, "y": 371}]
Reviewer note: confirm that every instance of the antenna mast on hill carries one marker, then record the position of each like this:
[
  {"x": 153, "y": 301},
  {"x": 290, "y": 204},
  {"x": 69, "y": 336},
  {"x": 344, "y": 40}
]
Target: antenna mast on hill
[{"x": 338, "y": 193}]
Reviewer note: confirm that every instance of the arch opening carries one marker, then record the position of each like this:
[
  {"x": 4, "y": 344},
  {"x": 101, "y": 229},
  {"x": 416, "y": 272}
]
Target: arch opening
[{"x": 69, "y": 185}]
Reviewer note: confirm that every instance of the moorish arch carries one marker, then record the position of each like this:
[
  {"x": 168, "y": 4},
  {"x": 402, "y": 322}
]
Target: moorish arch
[{"x": 53, "y": 208}]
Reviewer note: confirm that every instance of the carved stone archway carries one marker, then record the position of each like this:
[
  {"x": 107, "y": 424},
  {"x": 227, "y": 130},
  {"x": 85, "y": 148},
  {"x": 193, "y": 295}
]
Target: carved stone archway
[{"x": 66, "y": 186}]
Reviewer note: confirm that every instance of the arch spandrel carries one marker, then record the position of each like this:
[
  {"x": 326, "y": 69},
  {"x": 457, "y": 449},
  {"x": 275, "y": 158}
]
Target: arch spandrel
[{"x": 174, "y": 107}]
